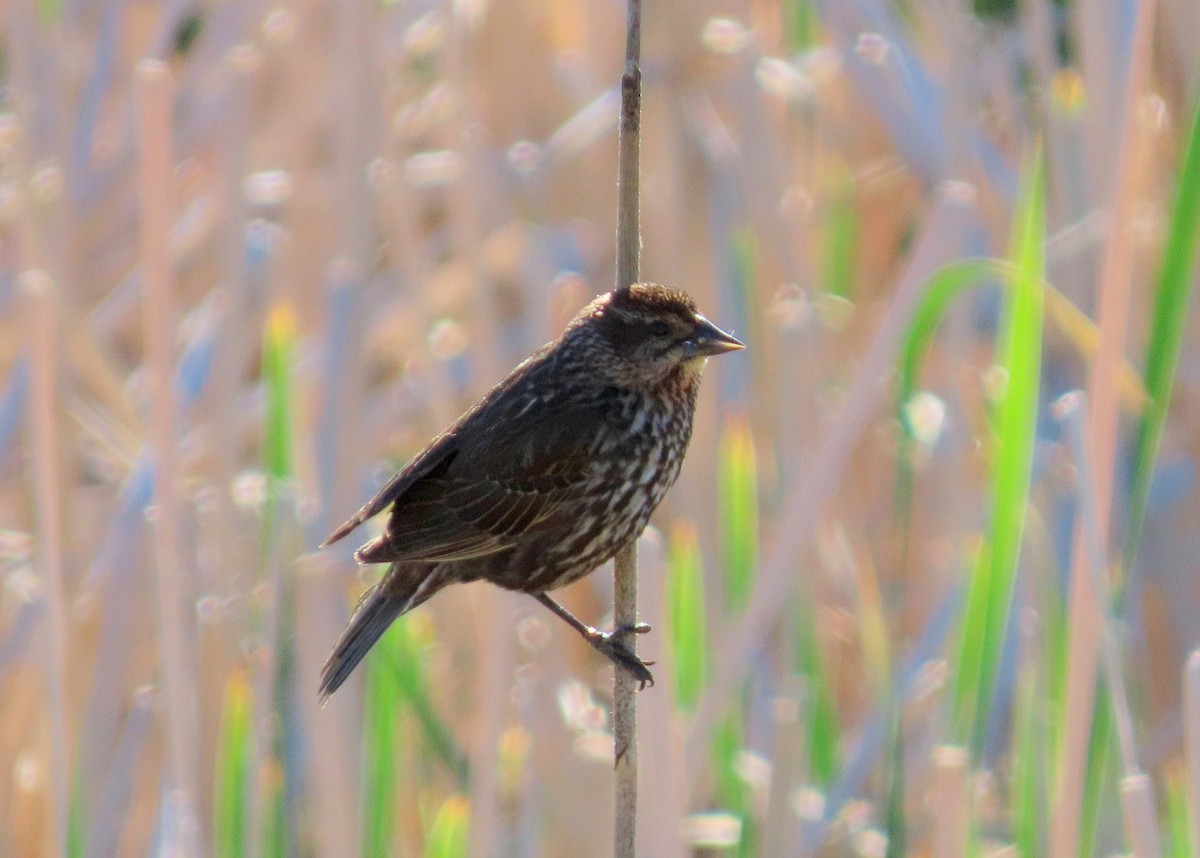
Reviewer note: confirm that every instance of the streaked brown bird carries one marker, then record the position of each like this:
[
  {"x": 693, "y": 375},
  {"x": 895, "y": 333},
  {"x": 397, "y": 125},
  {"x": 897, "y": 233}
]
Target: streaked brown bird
[{"x": 551, "y": 474}]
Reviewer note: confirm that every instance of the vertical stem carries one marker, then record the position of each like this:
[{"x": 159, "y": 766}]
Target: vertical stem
[
  {"x": 629, "y": 235},
  {"x": 155, "y": 99},
  {"x": 1137, "y": 798},
  {"x": 951, "y": 796},
  {"x": 42, "y": 303},
  {"x": 1191, "y": 743},
  {"x": 625, "y": 709},
  {"x": 629, "y": 241},
  {"x": 1083, "y": 624},
  {"x": 781, "y": 835}
]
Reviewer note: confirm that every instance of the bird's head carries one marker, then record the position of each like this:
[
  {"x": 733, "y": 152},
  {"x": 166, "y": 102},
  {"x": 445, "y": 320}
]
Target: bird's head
[{"x": 648, "y": 334}]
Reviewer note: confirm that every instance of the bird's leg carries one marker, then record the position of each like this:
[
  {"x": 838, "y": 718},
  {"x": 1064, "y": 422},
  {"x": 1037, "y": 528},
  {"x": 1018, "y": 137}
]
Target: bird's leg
[{"x": 607, "y": 643}]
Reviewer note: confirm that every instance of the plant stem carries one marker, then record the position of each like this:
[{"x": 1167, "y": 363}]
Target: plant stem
[
  {"x": 629, "y": 242},
  {"x": 155, "y": 99}
]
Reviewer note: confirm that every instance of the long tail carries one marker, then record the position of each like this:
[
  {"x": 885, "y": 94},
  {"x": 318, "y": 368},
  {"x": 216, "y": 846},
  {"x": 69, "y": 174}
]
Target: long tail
[{"x": 401, "y": 590}]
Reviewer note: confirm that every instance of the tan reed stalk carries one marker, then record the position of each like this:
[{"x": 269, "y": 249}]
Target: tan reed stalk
[
  {"x": 1113, "y": 315},
  {"x": 663, "y": 799},
  {"x": 497, "y": 645},
  {"x": 349, "y": 45},
  {"x": 43, "y": 241},
  {"x": 780, "y": 832},
  {"x": 1191, "y": 715},
  {"x": 467, "y": 227},
  {"x": 42, "y": 302},
  {"x": 155, "y": 100},
  {"x": 629, "y": 245},
  {"x": 1137, "y": 797},
  {"x": 951, "y": 798},
  {"x": 1141, "y": 819}
]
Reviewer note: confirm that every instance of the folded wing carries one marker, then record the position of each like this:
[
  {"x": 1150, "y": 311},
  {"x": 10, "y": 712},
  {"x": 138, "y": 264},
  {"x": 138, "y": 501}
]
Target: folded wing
[{"x": 508, "y": 468}]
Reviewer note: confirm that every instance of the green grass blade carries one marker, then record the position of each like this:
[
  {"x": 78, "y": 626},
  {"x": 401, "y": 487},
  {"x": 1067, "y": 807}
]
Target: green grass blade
[
  {"x": 1054, "y": 667},
  {"x": 941, "y": 290},
  {"x": 279, "y": 540},
  {"x": 687, "y": 618},
  {"x": 951, "y": 281},
  {"x": 1172, "y": 293},
  {"x": 49, "y": 12},
  {"x": 447, "y": 836},
  {"x": 801, "y": 24},
  {"x": 413, "y": 634},
  {"x": 274, "y": 809},
  {"x": 1028, "y": 799},
  {"x": 381, "y": 725},
  {"x": 738, "y": 511},
  {"x": 278, "y": 346},
  {"x": 1101, "y": 774},
  {"x": 1015, "y": 432},
  {"x": 969, "y": 669},
  {"x": 824, "y": 735},
  {"x": 1179, "y": 816},
  {"x": 896, "y": 822},
  {"x": 76, "y": 845},
  {"x": 279, "y": 339},
  {"x": 743, "y": 251},
  {"x": 234, "y": 763},
  {"x": 840, "y": 239}
]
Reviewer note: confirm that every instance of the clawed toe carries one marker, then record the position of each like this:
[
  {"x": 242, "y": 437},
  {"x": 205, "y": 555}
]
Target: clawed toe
[
  {"x": 635, "y": 629},
  {"x": 608, "y": 643},
  {"x": 620, "y": 655}
]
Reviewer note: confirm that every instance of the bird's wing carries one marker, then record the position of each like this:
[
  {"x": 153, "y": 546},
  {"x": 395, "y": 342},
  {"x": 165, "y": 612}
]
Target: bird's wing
[
  {"x": 511, "y": 475},
  {"x": 434, "y": 459}
]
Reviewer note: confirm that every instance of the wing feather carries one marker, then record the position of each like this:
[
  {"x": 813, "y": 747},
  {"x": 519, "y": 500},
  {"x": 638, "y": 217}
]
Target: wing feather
[
  {"x": 503, "y": 469},
  {"x": 437, "y": 457}
]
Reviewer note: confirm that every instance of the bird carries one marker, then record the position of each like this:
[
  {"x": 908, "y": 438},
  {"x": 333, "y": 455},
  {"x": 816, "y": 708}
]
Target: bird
[{"x": 554, "y": 471}]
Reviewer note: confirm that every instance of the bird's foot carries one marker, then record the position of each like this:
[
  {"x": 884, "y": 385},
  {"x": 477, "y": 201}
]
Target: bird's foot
[{"x": 609, "y": 644}]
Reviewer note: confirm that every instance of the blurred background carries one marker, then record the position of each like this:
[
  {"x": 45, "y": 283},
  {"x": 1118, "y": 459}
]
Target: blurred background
[{"x": 905, "y": 599}]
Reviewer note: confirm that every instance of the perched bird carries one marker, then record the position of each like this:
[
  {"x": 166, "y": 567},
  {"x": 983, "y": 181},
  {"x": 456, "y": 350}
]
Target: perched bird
[{"x": 551, "y": 474}]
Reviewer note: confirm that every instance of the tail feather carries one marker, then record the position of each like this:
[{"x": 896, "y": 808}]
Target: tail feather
[{"x": 399, "y": 592}]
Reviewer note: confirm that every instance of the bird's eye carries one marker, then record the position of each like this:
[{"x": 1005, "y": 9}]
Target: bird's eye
[{"x": 660, "y": 329}]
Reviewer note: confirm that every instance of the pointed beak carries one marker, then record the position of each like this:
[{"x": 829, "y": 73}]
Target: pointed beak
[{"x": 707, "y": 339}]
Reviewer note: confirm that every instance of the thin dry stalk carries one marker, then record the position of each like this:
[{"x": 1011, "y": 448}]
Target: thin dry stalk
[
  {"x": 1191, "y": 713},
  {"x": 1141, "y": 820},
  {"x": 1136, "y": 795},
  {"x": 320, "y": 601},
  {"x": 1113, "y": 315},
  {"x": 951, "y": 797},
  {"x": 629, "y": 244},
  {"x": 468, "y": 230},
  {"x": 662, "y": 800},
  {"x": 787, "y": 768},
  {"x": 155, "y": 97},
  {"x": 625, "y": 711},
  {"x": 466, "y": 222},
  {"x": 44, "y": 427}
]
